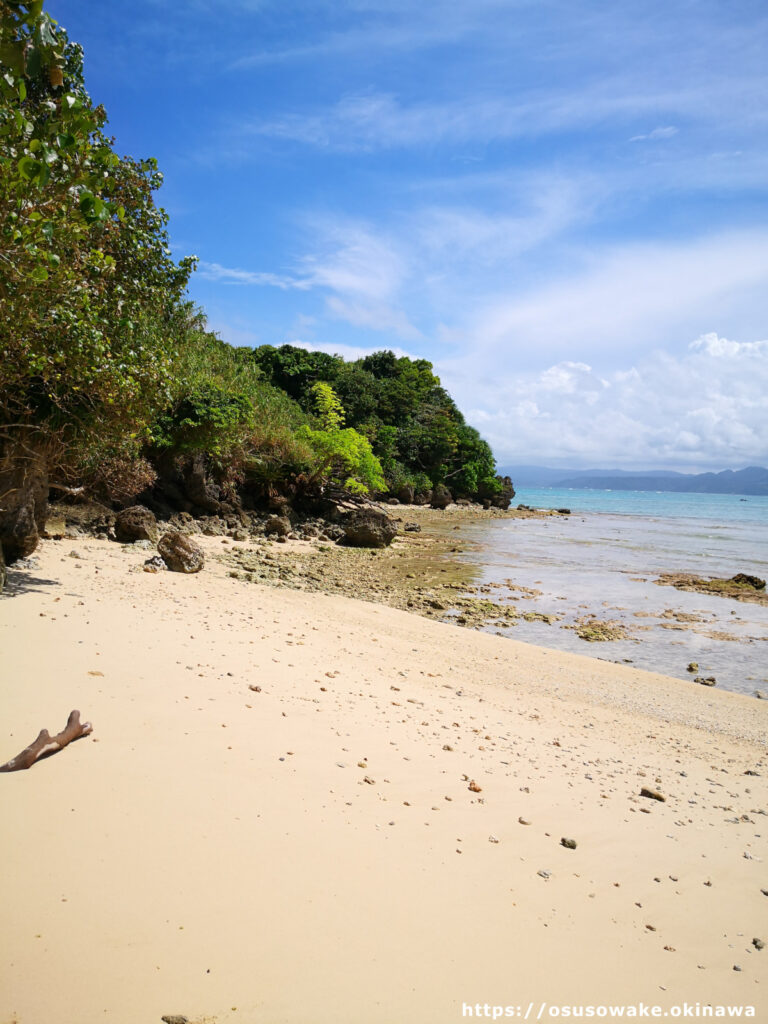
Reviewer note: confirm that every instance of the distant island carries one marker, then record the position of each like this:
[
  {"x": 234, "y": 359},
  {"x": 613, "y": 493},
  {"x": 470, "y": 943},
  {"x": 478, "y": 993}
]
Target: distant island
[{"x": 750, "y": 481}]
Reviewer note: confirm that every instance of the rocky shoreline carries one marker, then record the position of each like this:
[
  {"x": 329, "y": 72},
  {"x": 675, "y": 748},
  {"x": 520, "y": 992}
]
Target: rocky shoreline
[
  {"x": 413, "y": 558},
  {"x": 415, "y": 571}
]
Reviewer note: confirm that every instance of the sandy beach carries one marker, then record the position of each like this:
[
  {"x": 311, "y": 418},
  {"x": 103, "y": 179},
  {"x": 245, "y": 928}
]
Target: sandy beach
[{"x": 297, "y": 808}]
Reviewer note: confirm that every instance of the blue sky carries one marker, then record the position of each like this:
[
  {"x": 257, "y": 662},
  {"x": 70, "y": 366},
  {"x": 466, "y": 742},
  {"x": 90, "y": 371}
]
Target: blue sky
[{"x": 561, "y": 203}]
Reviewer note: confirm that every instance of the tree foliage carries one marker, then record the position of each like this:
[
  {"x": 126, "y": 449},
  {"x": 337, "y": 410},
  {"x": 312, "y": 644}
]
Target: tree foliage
[
  {"x": 414, "y": 427},
  {"x": 88, "y": 288},
  {"x": 342, "y": 455}
]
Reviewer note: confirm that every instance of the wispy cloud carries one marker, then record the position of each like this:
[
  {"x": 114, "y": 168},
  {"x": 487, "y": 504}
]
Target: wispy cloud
[
  {"x": 349, "y": 352},
  {"x": 234, "y": 275},
  {"x": 624, "y": 296},
  {"x": 658, "y": 133},
  {"x": 376, "y": 120}
]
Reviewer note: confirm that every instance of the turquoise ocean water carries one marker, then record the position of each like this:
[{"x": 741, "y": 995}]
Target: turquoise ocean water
[
  {"x": 602, "y": 559},
  {"x": 720, "y": 508}
]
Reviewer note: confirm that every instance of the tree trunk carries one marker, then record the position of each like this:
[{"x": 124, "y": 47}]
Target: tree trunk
[{"x": 23, "y": 495}]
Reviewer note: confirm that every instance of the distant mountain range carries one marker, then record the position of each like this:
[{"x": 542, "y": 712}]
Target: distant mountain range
[{"x": 753, "y": 480}]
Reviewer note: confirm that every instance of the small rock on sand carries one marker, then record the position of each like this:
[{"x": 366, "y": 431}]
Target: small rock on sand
[{"x": 652, "y": 794}]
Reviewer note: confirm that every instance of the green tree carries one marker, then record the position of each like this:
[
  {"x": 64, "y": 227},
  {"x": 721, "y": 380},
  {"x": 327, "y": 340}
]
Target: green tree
[
  {"x": 88, "y": 288},
  {"x": 295, "y": 370},
  {"x": 342, "y": 456}
]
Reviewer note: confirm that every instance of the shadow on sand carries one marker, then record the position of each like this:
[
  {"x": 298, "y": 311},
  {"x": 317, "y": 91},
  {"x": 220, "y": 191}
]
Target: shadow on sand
[{"x": 25, "y": 581}]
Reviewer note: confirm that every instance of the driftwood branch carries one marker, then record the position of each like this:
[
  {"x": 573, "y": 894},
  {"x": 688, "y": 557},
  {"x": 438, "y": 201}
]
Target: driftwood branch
[{"x": 45, "y": 744}]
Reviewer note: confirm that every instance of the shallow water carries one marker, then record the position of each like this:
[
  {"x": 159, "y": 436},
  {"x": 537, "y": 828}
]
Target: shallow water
[{"x": 602, "y": 563}]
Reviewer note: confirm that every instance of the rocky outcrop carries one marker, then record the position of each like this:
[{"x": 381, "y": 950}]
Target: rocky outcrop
[
  {"x": 745, "y": 580},
  {"x": 278, "y": 526},
  {"x": 23, "y": 498},
  {"x": 135, "y": 523},
  {"x": 184, "y": 484},
  {"x": 405, "y": 494},
  {"x": 201, "y": 489},
  {"x": 369, "y": 528},
  {"x": 503, "y": 498},
  {"x": 441, "y": 496},
  {"x": 180, "y": 553}
]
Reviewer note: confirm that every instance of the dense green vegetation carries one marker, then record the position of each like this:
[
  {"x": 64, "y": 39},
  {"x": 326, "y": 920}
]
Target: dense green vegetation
[
  {"x": 109, "y": 379},
  {"x": 399, "y": 405}
]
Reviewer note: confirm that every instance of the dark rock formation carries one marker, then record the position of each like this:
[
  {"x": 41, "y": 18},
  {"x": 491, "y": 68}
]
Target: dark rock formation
[
  {"x": 280, "y": 526},
  {"x": 369, "y": 528},
  {"x": 441, "y": 496},
  {"x": 200, "y": 488},
  {"x": 280, "y": 504},
  {"x": 183, "y": 522},
  {"x": 2, "y": 570},
  {"x": 333, "y": 532},
  {"x": 406, "y": 494},
  {"x": 23, "y": 498},
  {"x": 180, "y": 553},
  {"x": 503, "y": 498},
  {"x": 748, "y": 581},
  {"x": 135, "y": 523}
]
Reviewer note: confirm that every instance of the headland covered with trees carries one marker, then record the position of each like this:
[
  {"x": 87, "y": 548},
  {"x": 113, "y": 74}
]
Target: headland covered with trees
[{"x": 111, "y": 385}]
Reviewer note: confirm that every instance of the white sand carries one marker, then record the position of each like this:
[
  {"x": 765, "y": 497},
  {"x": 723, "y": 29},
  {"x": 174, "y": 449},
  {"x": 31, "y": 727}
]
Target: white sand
[{"x": 216, "y": 852}]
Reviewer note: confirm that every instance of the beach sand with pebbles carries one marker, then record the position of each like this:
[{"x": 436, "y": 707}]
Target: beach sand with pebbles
[{"x": 297, "y": 807}]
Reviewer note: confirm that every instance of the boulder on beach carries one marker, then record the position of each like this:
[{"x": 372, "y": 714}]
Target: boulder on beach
[
  {"x": 441, "y": 496},
  {"x": 279, "y": 526},
  {"x": 180, "y": 553},
  {"x": 135, "y": 523},
  {"x": 369, "y": 528},
  {"x": 503, "y": 498}
]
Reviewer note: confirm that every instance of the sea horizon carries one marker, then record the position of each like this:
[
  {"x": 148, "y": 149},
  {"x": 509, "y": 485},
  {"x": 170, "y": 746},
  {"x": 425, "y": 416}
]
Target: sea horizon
[{"x": 671, "y": 504}]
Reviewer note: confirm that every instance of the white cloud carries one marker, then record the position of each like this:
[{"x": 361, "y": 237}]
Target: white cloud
[
  {"x": 657, "y": 133},
  {"x": 234, "y": 275},
  {"x": 703, "y": 409},
  {"x": 362, "y": 273},
  {"x": 712, "y": 345},
  {"x": 354, "y": 260},
  {"x": 629, "y": 296},
  {"x": 372, "y": 120},
  {"x": 374, "y": 316},
  {"x": 348, "y": 352}
]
